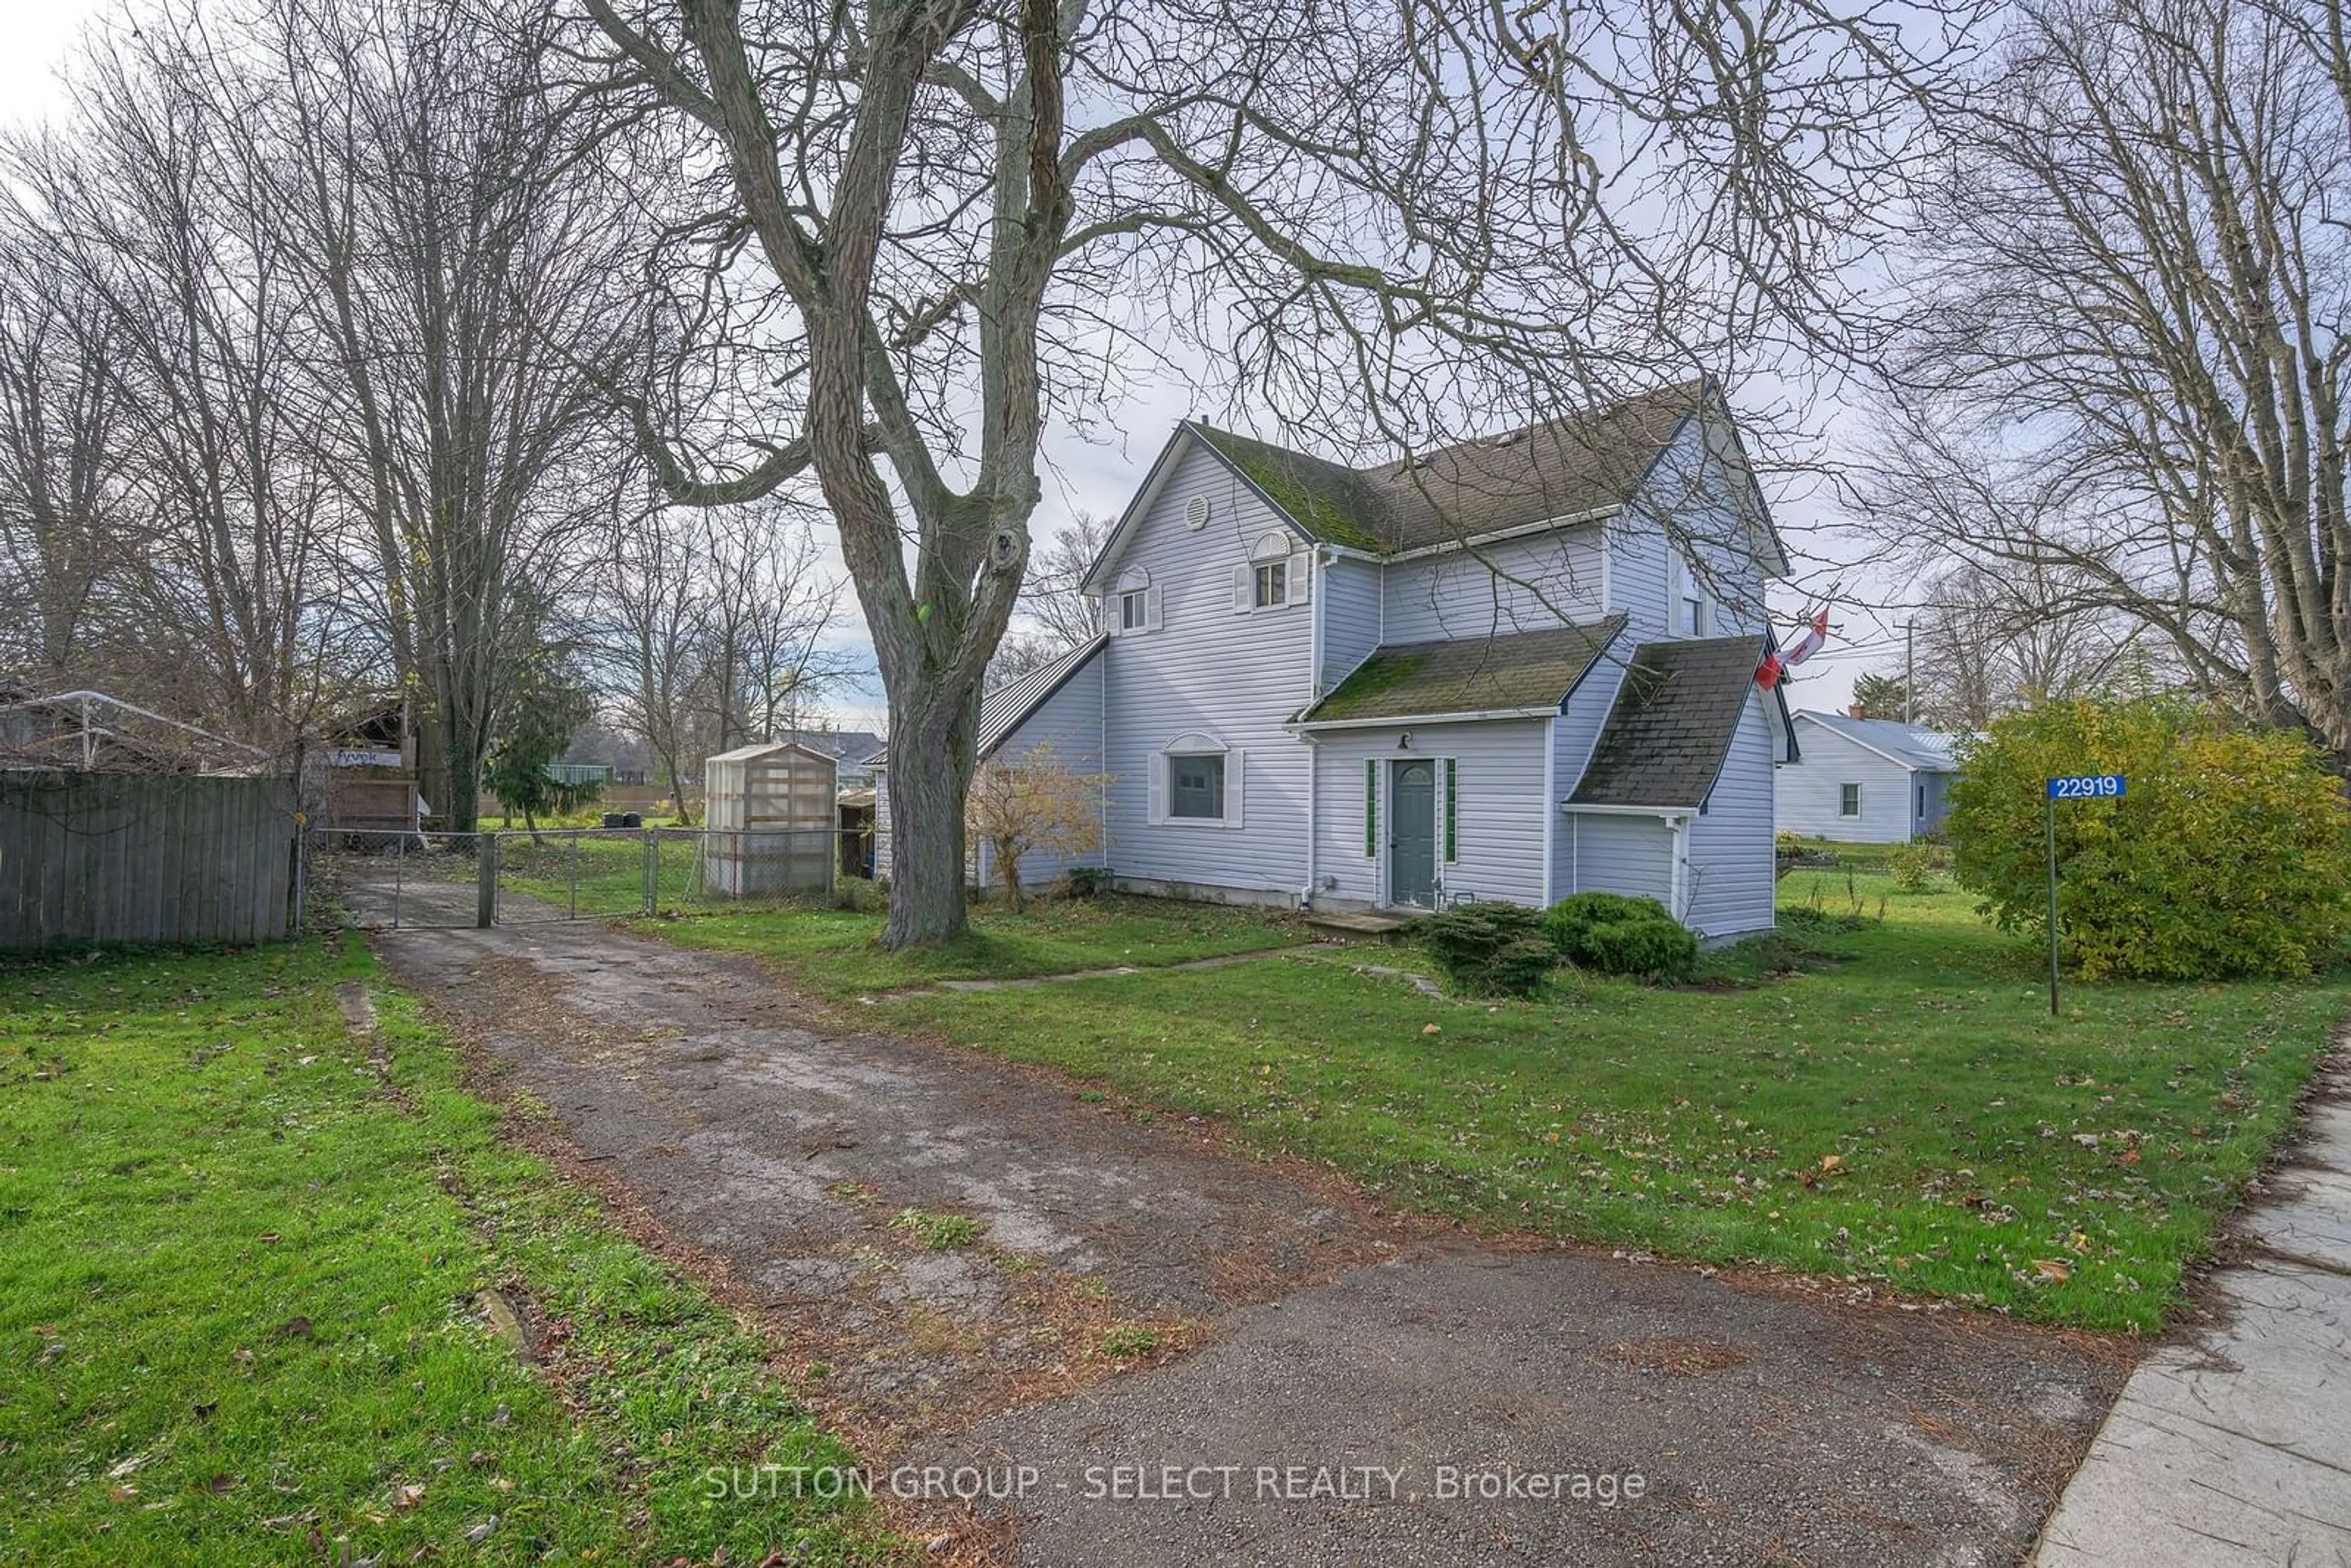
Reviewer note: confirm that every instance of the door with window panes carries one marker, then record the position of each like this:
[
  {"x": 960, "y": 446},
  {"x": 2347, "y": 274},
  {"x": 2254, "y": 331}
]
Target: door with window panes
[{"x": 1412, "y": 832}]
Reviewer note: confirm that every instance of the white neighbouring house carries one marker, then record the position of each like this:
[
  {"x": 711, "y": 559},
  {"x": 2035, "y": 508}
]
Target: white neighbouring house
[
  {"x": 1514, "y": 669},
  {"x": 1866, "y": 781}
]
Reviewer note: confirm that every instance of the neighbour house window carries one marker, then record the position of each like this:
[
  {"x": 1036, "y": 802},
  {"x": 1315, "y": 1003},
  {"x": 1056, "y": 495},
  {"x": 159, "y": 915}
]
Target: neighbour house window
[
  {"x": 1922, "y": 802},
  {"x": 1133, "y": 608},
  {"x": 1272, "y": 584},
  {"x": 1693, "y": 616},
  {"x": 1196, "y": 787},
  {"x": 1849, "y": 802}
]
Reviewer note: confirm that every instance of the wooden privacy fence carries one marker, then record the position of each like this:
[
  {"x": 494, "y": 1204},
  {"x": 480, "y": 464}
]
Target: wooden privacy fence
[{"x": 135, "y": 857}]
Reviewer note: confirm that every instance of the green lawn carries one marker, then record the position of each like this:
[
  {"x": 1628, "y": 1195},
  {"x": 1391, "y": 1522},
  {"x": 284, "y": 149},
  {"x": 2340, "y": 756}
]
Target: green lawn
[
  {"x": 1910, "y": 1114},
  {"x": 238, "y": 1324},
  {"x": 832, "y": 953}
]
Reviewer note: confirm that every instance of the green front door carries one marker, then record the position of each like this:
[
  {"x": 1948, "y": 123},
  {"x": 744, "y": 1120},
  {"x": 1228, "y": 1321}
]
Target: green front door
[{"x": 1412, "y": 833}]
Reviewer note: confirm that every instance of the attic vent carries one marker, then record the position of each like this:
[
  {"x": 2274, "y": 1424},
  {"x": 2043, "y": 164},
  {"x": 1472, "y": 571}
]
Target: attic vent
[{"x": 1195, "y": 512}]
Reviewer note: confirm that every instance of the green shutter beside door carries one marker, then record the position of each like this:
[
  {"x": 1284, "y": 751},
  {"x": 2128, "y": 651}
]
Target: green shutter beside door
[
  {"x": 1452, "y": 835},
  {"x": 1371, "y": 809}
]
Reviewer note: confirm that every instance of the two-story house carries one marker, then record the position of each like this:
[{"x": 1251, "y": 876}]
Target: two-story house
[{"x": 1512, "y": 669}]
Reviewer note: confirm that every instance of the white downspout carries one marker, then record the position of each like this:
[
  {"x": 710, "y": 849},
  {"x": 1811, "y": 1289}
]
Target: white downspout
[
  {"x": 1681, "y": 868},
  {"x": 1314, "y": 789},
  {"x": 1549, "y": 809}
]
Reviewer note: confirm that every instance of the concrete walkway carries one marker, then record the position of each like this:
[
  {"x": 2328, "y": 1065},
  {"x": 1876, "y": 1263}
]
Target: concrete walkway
[{"x": 2231, "y": 1445}]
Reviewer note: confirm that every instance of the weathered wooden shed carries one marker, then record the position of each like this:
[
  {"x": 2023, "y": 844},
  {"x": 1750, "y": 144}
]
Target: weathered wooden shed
[{"x": 769, "y": 820}]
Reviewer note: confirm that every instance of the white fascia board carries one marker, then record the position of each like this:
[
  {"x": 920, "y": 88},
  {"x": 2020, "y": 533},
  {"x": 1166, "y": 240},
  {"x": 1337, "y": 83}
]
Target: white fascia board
[
  {"x": 1405, "y": 721},
  {"x": 1670, "y": 814},
  {"x": 1524, "y": 530}
]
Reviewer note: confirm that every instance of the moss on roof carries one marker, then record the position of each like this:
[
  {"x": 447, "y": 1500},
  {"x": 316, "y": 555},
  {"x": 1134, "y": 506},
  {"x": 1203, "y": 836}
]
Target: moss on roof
[
  {"x": 1330, "y": 502},
  {"x": 1522, "y": 671}
]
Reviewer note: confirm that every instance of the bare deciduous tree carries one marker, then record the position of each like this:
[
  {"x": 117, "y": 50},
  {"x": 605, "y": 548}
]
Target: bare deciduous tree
[
  {"x": 1991, "y": 642},
  {"x": 61, "y": 453},
  {"x": 932, "y": 222},
  {"x": 709, "y": 630},
  {"x": 464, "y": 258},
  {"x": 2125, "y": 370}
]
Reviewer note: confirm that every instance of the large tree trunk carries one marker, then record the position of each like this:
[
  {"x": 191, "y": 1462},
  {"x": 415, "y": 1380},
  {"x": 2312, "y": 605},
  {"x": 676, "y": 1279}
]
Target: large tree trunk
[{"x": 931, "y": 767}]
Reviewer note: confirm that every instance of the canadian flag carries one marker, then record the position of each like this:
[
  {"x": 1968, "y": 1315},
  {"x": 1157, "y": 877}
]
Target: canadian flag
[{"x": 1775, "y": 666}]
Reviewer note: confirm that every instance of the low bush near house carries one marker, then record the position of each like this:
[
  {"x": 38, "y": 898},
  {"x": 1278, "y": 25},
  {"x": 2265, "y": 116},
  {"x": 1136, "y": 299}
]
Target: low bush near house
[
  {"x": 1488, "y": 949},
  {"x": 2228, "y": 856},
  {"x": 1088, "y": 881},
  {"x": 1615, "y": 934}
]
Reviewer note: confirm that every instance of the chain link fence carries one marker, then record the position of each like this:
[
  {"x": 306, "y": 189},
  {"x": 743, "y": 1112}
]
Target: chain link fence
[{"x": 392, "y": 879}]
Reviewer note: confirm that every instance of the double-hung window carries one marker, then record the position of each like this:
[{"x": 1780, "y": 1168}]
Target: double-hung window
[
  {"x": 1849, "y": 801},
  {"x": 1196, "y": 787},
  {"x": 1272, "y": 583},
  {"x": 1135, "y": 610}
]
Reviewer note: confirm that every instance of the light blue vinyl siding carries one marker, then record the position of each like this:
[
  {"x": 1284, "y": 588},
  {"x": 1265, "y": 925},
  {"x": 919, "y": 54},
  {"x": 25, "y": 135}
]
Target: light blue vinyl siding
[
  {"x": 1070, "y": 722},
  {"x": 1532, "y": 585},
  {"x": 1731, "y": 881},
  {"x": 1572, "y": 738},
  {"x": 1350, "y": 608},
  {"x": 1694, "y": 495},
  {"x": 1498, "y": 835},
  {"x": 1208, "y": 670},
  {"x": 1608, "y": 852},
  {"x": 1809, "y": 791}
]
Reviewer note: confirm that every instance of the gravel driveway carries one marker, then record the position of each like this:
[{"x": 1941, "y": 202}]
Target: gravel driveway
[{"x": 1305, "y": 1379}]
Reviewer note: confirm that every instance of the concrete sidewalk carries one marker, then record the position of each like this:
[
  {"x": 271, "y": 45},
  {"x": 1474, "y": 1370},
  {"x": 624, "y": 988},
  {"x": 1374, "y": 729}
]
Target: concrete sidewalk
[{"x": 2231, "y": 1445}]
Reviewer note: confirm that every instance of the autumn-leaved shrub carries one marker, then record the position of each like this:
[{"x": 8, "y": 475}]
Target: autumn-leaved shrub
[
  {"x": 1488, "y": 949},
  {"x": 2228, "y": 855},
  {"x": 1912, "y": 866},
  {"x": 1615, "y": 933}
]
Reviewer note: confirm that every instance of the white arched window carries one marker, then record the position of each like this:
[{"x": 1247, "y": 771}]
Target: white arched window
[
  {"x": 1275, "y": 575},
  {"x": 1196, "y": 780},
  {"x": 1134, "y": 604}
]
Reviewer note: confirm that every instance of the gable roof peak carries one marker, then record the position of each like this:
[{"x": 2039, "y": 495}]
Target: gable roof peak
[{"x": 1586, "y": 461}]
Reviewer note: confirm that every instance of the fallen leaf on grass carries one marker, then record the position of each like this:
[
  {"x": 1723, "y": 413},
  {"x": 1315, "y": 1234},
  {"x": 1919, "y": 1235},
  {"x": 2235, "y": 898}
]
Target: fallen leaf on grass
[
  {"x": 2053, "y": 1270},
  {"x": 409, "y": 1495},
  {"x": 221, "y": 1483}
]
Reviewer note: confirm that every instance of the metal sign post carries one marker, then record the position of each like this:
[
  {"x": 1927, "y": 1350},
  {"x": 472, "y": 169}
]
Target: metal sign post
[{"x": 2074, "y": 786}]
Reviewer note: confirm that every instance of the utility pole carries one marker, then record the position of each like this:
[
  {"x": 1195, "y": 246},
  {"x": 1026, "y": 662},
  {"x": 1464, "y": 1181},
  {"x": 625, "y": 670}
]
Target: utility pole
[{"x": 1909, "y": 672}]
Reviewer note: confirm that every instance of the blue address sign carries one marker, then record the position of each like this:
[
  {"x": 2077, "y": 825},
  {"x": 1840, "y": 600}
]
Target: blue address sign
[{"x": 2087, "y": 786}]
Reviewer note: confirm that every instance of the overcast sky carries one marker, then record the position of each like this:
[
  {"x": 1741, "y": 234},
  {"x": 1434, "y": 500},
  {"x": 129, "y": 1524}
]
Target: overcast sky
[{"x": 36, "y": 37}]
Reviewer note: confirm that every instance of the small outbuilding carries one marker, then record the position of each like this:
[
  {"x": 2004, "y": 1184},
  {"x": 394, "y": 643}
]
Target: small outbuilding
[{"x": 770, "y": 821}]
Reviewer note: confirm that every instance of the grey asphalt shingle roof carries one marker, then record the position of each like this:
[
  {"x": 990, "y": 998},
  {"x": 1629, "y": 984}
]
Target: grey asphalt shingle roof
[
  {"x": 1577, "y": 462},
  {"x": 1929, "y": 749},
  {"x": 1474, "y": 675},
  {"x": 1002, "y": 710},
  {"x": 1672, "y": 724}
]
